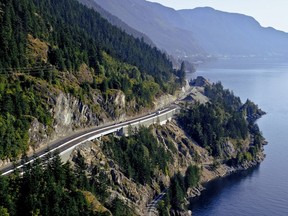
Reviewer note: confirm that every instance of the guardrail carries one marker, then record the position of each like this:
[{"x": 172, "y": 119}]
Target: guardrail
[{"x": 67, "y": 145}]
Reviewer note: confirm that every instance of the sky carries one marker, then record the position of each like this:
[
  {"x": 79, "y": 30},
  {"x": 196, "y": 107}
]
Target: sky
[{"x": 272, "y": 13}]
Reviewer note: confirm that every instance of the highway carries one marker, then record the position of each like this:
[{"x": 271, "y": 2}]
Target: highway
[
  {"x": 70, "y": 142},
  {"x": 152, "y": 207}
]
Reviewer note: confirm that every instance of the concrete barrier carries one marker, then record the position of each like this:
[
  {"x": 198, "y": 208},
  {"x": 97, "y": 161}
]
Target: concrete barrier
[{"x": 159, "y": 118}]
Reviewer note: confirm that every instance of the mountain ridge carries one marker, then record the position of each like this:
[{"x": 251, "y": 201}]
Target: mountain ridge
[
  {"x": 65, "y": 68},
  {"x": 257, "y": 39},
  {"x": 201, "y": 32},
  {"x": 141, "y": 10},
  {"x": 116, "y": 21}
]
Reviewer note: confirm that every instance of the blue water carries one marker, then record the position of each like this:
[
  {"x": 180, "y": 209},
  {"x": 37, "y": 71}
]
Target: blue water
[{"x": 264, "y": 189}]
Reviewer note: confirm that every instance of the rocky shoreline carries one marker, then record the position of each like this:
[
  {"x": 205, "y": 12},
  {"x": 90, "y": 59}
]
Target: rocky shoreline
[
  {"x": 210, "y": 172},
  {"x": 222, "y": 171},
  {"x": 184, "y": 150}
]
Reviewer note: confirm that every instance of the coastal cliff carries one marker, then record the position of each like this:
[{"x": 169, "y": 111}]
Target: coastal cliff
[
  {"x": 152, "y": 171},
  {"x": 65, "y": 69},
  {"x": 180, "y": 150}
]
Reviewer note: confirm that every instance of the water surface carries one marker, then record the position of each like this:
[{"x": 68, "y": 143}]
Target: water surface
[{"x": 264, "y": 189}]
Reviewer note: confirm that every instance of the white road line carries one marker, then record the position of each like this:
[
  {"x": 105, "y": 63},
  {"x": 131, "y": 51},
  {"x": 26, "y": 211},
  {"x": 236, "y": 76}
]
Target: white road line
[{"x": 117, "y": 127}]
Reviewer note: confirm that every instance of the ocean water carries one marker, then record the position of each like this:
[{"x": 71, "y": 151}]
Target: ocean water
[{"x": 262, "y": 190}]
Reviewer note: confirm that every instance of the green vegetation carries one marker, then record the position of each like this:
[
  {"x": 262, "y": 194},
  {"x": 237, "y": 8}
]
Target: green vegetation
[
  {"x": 213, "y": 123},
  {"x": 118, "y": 208},
  {"x": 47, "y": 46},
  {"x": 180, "y": 184},
  {"x": 224, "y": 118},
  {"x": 127, "y": 78},
  {"x": 53, "y": 46},
  {"x": 176, "y": 194},
  {"x": 53, "y": 190},
  {"x": 252, "y": 111},
  {"x": 19, "y": 103},
  {"x": 57, "y": 189},
  {"x": 140, "y": 155},
  {"x": 192, "y": 176},
  {"x": 181, "y": 73},
  {"x": 74, "y": 35},
  {"x": 142, "y": 158}
]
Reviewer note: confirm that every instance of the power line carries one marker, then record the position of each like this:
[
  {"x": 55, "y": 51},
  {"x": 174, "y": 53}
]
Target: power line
[{"x": 26, "y": 70}]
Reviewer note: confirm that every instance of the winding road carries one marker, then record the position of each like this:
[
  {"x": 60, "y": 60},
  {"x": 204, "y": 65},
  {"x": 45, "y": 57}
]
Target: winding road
[
  {"x": 70, "y": 142},
  {"x": 152, "y": 207}
]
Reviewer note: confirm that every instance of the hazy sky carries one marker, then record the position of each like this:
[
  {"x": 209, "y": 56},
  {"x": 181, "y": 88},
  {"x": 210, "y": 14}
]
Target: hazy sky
[{"x": 268, "y": 12}]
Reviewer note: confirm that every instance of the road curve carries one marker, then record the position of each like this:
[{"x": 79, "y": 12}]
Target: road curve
[
  {"x": 152, "y": 207},
  {"x": 65, "y": 144}
]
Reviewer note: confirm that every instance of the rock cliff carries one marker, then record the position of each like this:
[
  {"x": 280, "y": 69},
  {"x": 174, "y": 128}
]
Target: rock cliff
[
  {"x": 185, "y": 152},
  {"x": 70, "y": 113}
]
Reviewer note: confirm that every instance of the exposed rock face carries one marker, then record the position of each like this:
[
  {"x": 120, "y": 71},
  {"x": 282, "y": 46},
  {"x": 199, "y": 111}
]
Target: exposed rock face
[
  {"x": 37, "y": 133},
  {"x": 70, "y": 113},
  {"x": 126, "y": 189},
  {"x": 196, "y": 94},
  {"x": 164, "y": 101},
  {"x": 194, "y": 192},
  {"x": 115, "y": 106},
  {"x": 168, "y": 99},
  {"x": 184, "y": 152},
  {"x": 136, "y": 195}
]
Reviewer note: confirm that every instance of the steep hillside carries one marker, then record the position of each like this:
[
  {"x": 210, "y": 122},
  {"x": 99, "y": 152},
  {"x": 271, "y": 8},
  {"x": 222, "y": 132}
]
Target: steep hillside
[
  {"x": 116, "y": 21},
  {"x": 214, "y": 135},
  {"x": 201, "y": 31},
  {"x": 161, "y": 24},
  {"x": 64, "y": 67}
]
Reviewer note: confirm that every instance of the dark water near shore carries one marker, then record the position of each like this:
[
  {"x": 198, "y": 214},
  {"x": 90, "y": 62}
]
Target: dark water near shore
[{"x": 264, "y": 189}]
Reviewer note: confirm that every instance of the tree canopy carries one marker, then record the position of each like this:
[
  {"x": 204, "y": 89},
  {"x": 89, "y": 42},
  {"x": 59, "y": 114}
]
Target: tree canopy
[{"x": 46, "y": 45}]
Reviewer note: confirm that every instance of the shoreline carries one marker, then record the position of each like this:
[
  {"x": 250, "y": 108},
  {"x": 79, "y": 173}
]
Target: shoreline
[
  {"x": 223, "y": 170},
  {"x": 200, "y": 190}
]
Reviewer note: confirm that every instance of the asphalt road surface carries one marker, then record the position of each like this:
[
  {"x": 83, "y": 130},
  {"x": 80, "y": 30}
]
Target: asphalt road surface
[{"x": 65, "y": 144}]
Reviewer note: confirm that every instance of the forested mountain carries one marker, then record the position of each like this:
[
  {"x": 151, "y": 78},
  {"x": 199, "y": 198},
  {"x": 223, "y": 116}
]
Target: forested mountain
[
  {"x": 116, "y": 21},
  {"x": 60, "y": 47},
  {"x": 120, "y": 175},
  {"x": 159, "y": 23},
  {"x": 73, "y": 34},
  {"x": 201, "y": 31},
  {"x": 64, "y": 68}
]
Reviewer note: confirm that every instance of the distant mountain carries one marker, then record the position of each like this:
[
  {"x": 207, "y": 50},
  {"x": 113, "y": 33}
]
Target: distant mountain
[
  {"x": 199, "y": 32},
  {"x": 159, "y": 23},
  {"x": 231, "y": 34},
  {"x": 116, "y": 21}
]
